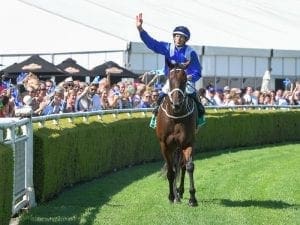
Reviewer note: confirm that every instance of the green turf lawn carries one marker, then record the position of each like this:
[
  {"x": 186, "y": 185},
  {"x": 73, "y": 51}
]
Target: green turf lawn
[{"x": 242, "y": 186}]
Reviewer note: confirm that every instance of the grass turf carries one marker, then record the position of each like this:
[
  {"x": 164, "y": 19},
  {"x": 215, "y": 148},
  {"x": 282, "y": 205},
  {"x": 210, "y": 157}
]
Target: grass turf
[{"x": 240, "y": 186}]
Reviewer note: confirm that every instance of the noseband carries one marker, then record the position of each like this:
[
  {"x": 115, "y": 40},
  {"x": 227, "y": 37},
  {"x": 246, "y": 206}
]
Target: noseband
[{"x": 175, "y": 90}]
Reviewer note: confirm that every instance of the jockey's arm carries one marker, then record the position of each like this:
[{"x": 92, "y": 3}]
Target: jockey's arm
[
  {"x": 159, "y": 47},
  {"x": 194, "y": 67}
]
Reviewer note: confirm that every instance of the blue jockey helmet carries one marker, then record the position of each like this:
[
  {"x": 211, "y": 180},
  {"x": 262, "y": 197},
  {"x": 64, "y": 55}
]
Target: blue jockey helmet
[{"x": 182, "y": 30}]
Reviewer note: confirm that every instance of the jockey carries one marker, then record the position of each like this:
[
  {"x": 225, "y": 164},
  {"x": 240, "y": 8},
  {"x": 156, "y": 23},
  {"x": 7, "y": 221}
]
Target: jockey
[{"x": 176, "y": 52}]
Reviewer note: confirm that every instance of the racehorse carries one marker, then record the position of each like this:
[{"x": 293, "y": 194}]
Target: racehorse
[{"x": 175, "y": 130}]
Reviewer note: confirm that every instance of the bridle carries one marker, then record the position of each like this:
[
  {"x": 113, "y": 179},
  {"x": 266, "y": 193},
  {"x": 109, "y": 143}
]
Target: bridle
[{"x": 184, "y": 104}]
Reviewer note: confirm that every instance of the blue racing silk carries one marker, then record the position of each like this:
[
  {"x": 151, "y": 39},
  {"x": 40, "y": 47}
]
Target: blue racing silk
[{"x": 174, "y": 54}]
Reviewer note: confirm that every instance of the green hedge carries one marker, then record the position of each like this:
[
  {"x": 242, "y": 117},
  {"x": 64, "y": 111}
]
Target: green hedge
[
  {"x": 238, "y": 129},
  {"x": 65, "y": 154},
  {"x": 6, "y": 183}
]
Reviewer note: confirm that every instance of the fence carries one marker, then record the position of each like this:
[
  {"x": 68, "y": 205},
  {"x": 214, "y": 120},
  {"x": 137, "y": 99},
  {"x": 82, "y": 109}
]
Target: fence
[
  {"x": 19, "y": 134},
  {"x": 114, "y": 112}
]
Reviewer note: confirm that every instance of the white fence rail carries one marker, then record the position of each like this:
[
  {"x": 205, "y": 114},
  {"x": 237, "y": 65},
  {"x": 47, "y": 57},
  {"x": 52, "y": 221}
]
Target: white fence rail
[
  {"x": 19, "y": 134},
  {"x": 115, "y": 112}
]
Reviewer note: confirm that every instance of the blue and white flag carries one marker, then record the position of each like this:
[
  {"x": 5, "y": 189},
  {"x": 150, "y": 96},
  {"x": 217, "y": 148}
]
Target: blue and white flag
[
  {"x": 15, "y": 94},
  {"x": 157, "y": 72},
  {"x": 21, "y": 77},
  {"x": 286, "y": 82},
  {"x": 6, "y": 84},
  {"x": 96, "y": 80}
]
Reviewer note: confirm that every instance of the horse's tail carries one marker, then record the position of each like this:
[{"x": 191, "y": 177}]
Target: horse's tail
[{"x": 177, "y": 162}]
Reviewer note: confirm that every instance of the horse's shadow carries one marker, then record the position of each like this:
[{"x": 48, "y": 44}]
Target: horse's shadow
[{"x": 269, "y": 204}]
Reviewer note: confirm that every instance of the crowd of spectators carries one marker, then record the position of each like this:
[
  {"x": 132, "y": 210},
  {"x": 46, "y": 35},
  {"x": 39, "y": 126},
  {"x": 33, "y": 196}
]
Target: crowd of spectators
[
  {"x": 45, "y": 97},
  {"x": 248, "y": 96}
]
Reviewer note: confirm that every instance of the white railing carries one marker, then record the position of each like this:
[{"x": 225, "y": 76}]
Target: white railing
[
  {"x": 115, "y": 112},
  {"x": 85, "y": 115},
  {"x": 19, "y": 134}
]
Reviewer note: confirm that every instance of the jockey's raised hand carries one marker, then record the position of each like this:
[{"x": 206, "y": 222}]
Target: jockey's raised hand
[{"x": 139, "y": 21}]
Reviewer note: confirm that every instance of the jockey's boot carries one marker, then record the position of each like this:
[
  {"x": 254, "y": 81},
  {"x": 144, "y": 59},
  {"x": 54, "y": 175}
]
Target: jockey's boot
[
  {"x": 155, "y": 110},
  {"x": 201, "y": 110}
]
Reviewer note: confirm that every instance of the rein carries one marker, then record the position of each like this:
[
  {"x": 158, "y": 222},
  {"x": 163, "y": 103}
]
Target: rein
[{"x": 190, "y": 110}]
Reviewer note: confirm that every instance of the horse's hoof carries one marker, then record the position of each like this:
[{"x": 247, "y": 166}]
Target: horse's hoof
[
  {"x": 193, "y": 203},
  {"x": 177, "y": 200}
]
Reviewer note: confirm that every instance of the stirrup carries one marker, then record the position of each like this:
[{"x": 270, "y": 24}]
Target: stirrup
[
  {"x": 201, "y": 121},
  {"x": 153, "y": 122},
  {"x": 155, "y": 111}
]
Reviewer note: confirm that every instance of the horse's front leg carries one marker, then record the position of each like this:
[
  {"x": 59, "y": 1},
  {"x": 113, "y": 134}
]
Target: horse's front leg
[
  {"x": 172, "y": 183},
  {"x": 190, "y": 169},
  {"x": 170, "y": 171},
  {"x": 180, "y": 190}
]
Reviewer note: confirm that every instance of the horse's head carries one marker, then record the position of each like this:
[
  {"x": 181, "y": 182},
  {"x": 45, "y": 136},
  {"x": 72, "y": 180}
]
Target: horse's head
[{"x": 177, "y": 79}]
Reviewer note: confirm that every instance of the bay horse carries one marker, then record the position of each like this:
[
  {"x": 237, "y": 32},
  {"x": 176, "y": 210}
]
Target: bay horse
[{"x": 175, "y": 130}]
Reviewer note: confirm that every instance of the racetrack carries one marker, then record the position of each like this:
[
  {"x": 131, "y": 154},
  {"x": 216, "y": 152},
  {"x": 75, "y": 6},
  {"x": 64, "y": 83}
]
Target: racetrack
[{"x": 240, "y": 186}]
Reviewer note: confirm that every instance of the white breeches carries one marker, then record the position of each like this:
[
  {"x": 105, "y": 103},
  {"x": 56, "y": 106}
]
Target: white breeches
[{"x": 190, "y": 87}]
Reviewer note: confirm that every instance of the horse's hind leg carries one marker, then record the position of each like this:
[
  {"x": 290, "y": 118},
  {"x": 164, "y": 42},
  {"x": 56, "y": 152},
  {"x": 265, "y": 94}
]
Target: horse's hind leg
[{"x": 190, "y": 170}]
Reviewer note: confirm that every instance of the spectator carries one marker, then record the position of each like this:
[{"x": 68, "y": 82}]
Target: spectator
[
  {"x": 247, "y": 97},
  {"x": 83, "y": 101},
  {"x": 267, "y": 99},
  {"x": 233, "y": 98},
  {"x": 218, "y": 97},
  {"x": 282, "y": 97},
  {"x": 154, "y": 96},
  {"x": 226, "y": 90},
  {"x": 104, "y": 100},
  {"x": 114, "y": 97},
  {"x": 50, "y": 87},
  {"x": 278, "y": 96},
  {"x": 210, "y": 94},
  {"x": 33, "y": 93},
  {"x": 146, "y": 100},
  {"x": 255, "y": 97},
  {"x": 202, "y": 96},
  {"x": 70, "y": 101},
  {"x": 128, "y": 99},
  {"x": 96, "y": 105},
  {"x": 4, "y": 106}
]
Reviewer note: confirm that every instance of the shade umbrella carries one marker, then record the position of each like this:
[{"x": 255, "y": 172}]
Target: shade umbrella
[
  {"x": 34, "y": 64},
  {"x": 265, "y": 85},
  {"x": 72, "y": 68},
  {"x": 115, "y": 71}
]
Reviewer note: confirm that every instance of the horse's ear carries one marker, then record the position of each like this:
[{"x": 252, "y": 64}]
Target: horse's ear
[{"x": 171, "y": 65}]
